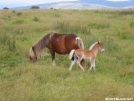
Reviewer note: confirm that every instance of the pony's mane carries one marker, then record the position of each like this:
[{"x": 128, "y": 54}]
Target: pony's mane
[
  {"x": 42, "y": 43},
  {"x": 92, "y": 45}
]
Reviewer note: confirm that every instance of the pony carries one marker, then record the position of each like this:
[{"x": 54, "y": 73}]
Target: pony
[
  {"x": 90, "y": 54},
  {"x": 56, "y": 43}
]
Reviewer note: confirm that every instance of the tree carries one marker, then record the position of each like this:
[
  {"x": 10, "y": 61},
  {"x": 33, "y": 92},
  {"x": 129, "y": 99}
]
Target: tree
[
  {"x": 35, "y": 7},
  {"x": 5, "y": 8}
]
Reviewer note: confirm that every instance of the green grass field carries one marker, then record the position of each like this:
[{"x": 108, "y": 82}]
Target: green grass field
[{"x": 21, "y": 80}]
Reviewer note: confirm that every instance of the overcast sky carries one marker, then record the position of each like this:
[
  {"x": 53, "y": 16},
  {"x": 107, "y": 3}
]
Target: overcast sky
[{"x": 17, "y": 3}]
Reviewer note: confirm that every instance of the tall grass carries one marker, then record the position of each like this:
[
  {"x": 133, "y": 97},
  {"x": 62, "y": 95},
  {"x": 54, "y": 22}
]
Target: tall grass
[
  {"x": 65, "y": 27},
  {"x": 21, "y": 80}
]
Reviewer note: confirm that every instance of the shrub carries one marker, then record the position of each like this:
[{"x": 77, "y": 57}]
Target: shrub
[
  {"x": 18, "y": 13},
  {"x": 36, "y": 19}
]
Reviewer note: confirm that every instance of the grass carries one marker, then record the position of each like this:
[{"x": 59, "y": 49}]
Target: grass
[{"x": 21, "y": 80}]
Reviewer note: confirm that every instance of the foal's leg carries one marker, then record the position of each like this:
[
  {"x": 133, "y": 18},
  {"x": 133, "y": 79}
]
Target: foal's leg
[
  {"x": 72, "y": 63},
  {"x": 92, "y": 62},
  {"x": 90, "y": 68},
  {"x": 83, "y": 63},
  {"x": 78, "y": 62},
  {"x": 94, "y": 65}
]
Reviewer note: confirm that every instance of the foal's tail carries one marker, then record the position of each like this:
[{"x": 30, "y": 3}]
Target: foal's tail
[
  {"x": 80, "y": 43},
  {"x": 71, "y": 54}
]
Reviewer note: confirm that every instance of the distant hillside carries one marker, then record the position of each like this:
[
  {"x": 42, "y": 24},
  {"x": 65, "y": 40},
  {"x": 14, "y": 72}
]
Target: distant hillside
[
  {"x": 83, "y": 4},
  {"x": 110, "y": 3}
]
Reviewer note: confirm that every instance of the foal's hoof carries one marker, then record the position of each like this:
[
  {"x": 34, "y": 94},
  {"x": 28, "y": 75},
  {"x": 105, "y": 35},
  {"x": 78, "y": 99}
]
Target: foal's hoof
[{"x": 69, "y": 69}]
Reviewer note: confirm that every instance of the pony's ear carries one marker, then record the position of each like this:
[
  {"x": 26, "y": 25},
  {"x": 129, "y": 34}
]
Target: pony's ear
[
  {"x": 32, "y": 47},
  {"x": 98, "y": 42}
]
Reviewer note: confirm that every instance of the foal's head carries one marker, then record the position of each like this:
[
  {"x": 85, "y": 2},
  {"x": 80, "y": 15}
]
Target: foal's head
[
  {"x": 32, "y": 53},
  {"x": 100, "y": 46}
]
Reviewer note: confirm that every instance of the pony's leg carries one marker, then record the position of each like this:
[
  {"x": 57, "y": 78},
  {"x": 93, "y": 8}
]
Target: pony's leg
[
  {"x": 53, "y": 57},
  {"x": 72, "y": 63},
  {"x": 78, "y": 62}
]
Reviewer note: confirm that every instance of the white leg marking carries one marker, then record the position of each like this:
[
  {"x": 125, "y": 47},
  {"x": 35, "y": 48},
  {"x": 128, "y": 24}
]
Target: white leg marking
[
  {"x": 92, "y": 65},
  {"x": 90, "y": 68},
  {"x": 72, "y": 63},
  {"x": 54, "y": 63}
]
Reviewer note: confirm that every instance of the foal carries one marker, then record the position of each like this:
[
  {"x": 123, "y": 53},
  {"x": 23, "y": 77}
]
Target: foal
[{"x": 90, "y": 54}]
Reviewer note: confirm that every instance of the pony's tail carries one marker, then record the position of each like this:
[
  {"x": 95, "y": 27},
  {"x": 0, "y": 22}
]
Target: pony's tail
[
  {"x": 71, "y": 54},
  {"x": 80, "y": 43}
]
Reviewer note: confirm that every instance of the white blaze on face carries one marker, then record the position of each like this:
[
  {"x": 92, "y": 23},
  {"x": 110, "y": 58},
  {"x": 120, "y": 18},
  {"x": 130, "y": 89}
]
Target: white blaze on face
[
  {"x": 103, "y": 50},
  {"x": 31, "y": 52},
  {"x": 77, "y": 38}
]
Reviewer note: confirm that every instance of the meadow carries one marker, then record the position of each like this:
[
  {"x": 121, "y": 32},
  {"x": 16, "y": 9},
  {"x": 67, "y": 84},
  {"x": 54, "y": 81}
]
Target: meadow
[{"x": 21, "y": 80}]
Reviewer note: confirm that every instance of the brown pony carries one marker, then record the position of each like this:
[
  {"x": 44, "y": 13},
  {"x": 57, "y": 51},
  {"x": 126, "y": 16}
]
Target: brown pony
[
  {"x": 59, "y": 43},
  {"x": 90, "y": 54}
]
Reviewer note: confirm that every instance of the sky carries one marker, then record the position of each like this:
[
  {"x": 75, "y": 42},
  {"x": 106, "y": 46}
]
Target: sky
[
  {"x": 118, "y": 0},
  {"x": 17, "y": 3}
]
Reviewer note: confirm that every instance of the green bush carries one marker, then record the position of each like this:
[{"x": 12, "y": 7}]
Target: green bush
[
  {"x": 36, "y": 19},
  {"x": 18, "y": 13}
]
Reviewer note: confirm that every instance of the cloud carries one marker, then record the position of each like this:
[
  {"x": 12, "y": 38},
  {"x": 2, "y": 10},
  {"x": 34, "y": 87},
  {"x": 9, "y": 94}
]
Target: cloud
[{"x": 118, "y": 0}]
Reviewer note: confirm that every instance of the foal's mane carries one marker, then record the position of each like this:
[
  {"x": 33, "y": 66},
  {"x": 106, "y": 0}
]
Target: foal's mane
[
  {"x": 43, "y": 42},
  {"x": 92, "y": 45}
]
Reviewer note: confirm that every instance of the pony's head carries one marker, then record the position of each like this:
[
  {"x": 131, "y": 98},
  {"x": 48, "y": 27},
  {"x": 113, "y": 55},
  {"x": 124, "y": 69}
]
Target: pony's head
[
  {"x": 33, "y": 55},
  {"x": 101, "y": 48}
]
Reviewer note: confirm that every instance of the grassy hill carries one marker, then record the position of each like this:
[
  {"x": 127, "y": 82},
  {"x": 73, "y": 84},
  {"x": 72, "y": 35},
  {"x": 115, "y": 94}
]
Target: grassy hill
[{"x": 21, "y": 80}]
